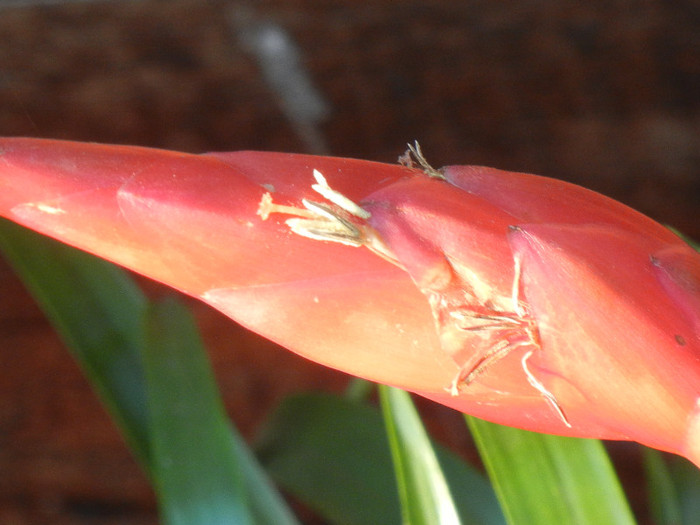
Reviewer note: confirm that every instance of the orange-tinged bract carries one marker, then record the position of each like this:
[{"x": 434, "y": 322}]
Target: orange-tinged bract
[{"x": 520, "y": 299}]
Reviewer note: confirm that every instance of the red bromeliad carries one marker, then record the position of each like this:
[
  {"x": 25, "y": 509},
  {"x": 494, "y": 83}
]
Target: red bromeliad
[{"x": 520, "y": 299}]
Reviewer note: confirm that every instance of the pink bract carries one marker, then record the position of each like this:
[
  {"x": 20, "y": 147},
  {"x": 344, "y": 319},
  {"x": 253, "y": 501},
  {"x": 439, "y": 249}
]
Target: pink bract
[{"x": 592, "y": 301}]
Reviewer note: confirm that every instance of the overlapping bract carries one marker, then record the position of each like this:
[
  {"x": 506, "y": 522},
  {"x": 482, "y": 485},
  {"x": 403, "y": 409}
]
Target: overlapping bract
[{"x": 518, "y": 285}]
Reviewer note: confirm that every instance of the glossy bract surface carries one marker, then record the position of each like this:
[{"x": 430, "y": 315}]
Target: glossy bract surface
[{"x": 516, "y": 298}]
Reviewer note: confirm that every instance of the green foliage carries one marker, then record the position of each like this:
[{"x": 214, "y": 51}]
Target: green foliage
[
  {"x": 150, "y": 370},
  {"x": 423, "y": 491},
  {"x": 332, "y": 453},
  {"x": 674, "y": 489},
  {"x": 550, "y": 479}
]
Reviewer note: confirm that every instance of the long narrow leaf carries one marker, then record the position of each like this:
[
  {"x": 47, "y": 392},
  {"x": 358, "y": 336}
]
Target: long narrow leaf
[
  {"x": 266, "y": 503},
  {"x": 332, "y": 454},
  {"x": 98, "y": 311},
  {"x": 663, "y": 497},
  {"x": 673, "y": 487},
  {"x": 686, "y": 478},
  {"x": 196, "y": 473},
  {"x": 423, "y": 491},
  {"x": 541, "y": 478}
]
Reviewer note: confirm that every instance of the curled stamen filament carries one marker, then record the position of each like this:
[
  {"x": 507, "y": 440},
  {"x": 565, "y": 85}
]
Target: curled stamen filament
[{"x": 543, "y": 390}]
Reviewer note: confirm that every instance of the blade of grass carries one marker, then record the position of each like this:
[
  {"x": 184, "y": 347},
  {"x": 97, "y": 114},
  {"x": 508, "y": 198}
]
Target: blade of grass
[
  {"x": 331, "y": 453},
  {"x": 423, "y": 491},
  {"x": 541, "y": 478}
]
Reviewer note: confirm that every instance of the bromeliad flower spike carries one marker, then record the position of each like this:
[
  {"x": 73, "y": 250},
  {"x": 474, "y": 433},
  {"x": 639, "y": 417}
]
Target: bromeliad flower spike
[{"x": 516, "y": 298}]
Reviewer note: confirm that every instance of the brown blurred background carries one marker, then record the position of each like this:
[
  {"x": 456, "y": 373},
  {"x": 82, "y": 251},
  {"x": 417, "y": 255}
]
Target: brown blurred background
[{"x": 604, "y": 94}]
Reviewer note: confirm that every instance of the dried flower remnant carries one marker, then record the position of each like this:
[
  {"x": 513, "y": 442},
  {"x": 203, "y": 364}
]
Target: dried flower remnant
[
  {"x": 342, "y": 221},
  {"x": 541, "y": 304},
  {"x": 459, "y": 312}
]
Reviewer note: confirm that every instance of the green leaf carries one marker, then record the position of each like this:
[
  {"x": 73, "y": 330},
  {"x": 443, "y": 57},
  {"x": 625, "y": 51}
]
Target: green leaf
[
  {"x": 98, "y": 311},
  {"x": 423, "y": 491},
  {"x": 673, "y": 487},
  {"x": 266, "y": 503},
  {"x": 473, "y": 494},
  {"x": 663, "y": 499},
  {"x": 693, "y": 244},
  {"x": 541, "y": 478},
  {"x": 101, "y": 313},
  {"x": 686, "y": 478},
  {"x": 331, "y": 453},
  {"x": 195, "y": 468}
]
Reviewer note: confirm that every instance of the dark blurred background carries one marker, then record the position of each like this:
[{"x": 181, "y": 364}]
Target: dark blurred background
[{"x": 604, "y": 94}]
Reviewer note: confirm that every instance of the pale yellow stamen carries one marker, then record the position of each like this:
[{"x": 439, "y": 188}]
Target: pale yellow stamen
[{"x": 266, "y": 207}]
